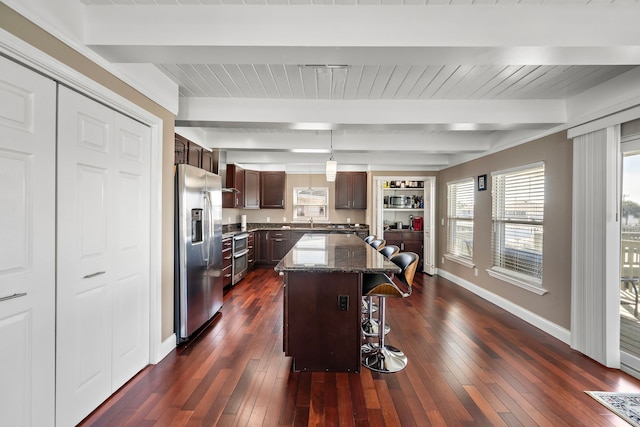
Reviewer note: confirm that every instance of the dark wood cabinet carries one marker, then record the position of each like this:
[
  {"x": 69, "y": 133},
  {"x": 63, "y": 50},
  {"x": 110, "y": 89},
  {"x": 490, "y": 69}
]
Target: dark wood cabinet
[
  {"x": 190, "y": 153},
  {"x": 235, "y": 180},
  {"x": 194, "y": 157},
  {"x": 261, "y": 244},
  {"x": 251, "y": 189},
  {"x": 209, "y": 160},
  {"x": 251, "y": 256},
  {"x": 278, "y": 245},
  {"x": 351, "y": 190},
  {"x": 226, "y": 261},
  {"x": 272, "y": 190},
  {"x": 407, "y": 241},
  {"x": 181, "y": 150}
]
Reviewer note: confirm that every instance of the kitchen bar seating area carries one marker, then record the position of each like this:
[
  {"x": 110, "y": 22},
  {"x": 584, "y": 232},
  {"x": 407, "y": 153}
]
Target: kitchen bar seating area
[{"x": 470, "y": 363}]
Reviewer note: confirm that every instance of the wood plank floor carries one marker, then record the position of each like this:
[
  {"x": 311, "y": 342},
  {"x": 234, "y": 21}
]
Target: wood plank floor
[{"x": 470, "y": 364}]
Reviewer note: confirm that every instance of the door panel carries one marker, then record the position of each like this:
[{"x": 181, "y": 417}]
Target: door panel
[
  {"x": 131, "y": 286},
  {"x": 27, "y": 246},
  {"x": 85, "y": 271}
]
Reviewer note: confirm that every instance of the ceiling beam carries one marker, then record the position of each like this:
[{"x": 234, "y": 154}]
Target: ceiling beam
[
  {"x": 321, "y": 114},
  {"x": 562, "y": 25}
]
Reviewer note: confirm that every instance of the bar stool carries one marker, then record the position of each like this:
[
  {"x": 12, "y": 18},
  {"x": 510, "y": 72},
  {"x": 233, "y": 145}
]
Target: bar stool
[
  {"x": 378, "y": 244},
  {"x": 369, "y": 239},
  {"x": 381, "y": 357},
  {"x": 369, "y": 323},
  {"x": 389, "y": 250}
]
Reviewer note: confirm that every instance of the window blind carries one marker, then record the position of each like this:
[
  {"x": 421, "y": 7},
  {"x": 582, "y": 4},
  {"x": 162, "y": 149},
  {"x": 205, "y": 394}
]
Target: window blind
[
  {"x": 517, "y": 215},
  {"x": 460, "y": 205}
]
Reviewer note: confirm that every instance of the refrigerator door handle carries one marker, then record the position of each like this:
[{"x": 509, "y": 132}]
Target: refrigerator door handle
[{"x": 208, "y": 205}]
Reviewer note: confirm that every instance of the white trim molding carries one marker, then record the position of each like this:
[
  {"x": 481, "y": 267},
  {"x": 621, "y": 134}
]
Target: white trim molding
[
  {"x": 511, "y": 277},
  {"x": 541, "y": 323}
]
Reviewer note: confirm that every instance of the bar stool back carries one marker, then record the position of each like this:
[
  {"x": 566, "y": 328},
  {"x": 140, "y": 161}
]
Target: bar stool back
[
  {"x": 369, "y": 239},
  {"x": 389, "y": 250},
  {"x": 378, "y": 243}
]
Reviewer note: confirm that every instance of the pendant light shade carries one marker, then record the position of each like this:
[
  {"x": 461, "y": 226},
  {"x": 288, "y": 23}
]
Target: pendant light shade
[
  {"x": 332, "y": 165},
  {"x": 332, "y": 168}
]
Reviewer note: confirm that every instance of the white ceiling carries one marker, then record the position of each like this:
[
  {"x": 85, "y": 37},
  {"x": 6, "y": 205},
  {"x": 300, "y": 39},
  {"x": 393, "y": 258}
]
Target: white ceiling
[{"x": 426, "y": 84}]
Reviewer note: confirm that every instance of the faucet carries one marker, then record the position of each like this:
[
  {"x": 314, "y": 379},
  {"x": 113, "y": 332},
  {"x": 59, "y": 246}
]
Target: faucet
[{"x": 311, "y": 221}]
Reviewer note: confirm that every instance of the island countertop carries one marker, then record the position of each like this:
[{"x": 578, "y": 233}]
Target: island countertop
[{"x": 327, "y": 253}]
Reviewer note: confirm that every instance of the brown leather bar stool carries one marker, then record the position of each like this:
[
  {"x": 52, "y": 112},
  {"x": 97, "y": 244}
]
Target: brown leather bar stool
[
  {"x": 369, "y": 323},
  {"x": 381, "y": 357}
]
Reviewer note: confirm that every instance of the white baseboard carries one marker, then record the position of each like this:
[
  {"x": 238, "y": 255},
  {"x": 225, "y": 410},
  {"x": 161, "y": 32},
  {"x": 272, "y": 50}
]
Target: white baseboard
[
  {"x": 552, "y": 329},
  {"x": 166, "y": 347}
]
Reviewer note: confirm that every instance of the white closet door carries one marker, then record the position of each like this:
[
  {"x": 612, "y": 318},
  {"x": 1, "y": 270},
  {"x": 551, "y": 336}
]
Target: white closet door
[
  {"x": 27, "y": 246},
  {"x": 85, "y": 263},
  {"x": 131, "y": 268},
  {"x": 103, "y": 254}
]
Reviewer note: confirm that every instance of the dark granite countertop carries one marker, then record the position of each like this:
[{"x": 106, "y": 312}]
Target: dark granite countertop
[
  {"x": 232, "y": 230},
  {"x": 343, "y": 253}
]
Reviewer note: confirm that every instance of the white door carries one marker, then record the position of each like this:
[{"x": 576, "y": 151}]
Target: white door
[
  {"x": 131, "y": 282},
  {"x": 103, "y": 254},
  {"x": 27, "y": 246}
]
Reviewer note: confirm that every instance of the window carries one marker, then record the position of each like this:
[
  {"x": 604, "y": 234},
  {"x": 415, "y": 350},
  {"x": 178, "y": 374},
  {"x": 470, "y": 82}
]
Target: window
[
  {"x": 460, "y": 225},
  {"x": 517, "y": 225},
  {"x": 310, "y": 203}
]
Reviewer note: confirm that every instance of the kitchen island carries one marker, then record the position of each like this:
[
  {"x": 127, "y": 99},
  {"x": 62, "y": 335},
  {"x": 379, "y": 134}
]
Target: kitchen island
[{"x": 322, "y": 300}]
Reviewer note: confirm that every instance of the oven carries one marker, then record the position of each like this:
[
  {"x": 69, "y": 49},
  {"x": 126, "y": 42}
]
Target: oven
[{"x": 240, "y": 251}]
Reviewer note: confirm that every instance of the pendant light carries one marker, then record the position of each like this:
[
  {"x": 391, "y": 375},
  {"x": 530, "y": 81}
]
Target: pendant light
[{"x": 332, "y": 165}]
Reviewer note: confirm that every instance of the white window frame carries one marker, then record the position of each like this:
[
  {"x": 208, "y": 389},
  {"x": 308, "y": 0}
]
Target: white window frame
[
  {"x": 300, "y": 206},
  {"x": 532, "y": 219},
  {"x": 455, "y": 217}
]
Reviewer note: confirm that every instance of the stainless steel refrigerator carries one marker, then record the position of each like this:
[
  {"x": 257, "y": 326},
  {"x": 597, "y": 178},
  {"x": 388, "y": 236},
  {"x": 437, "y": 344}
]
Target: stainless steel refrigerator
[{"x": 198, "y": 251}]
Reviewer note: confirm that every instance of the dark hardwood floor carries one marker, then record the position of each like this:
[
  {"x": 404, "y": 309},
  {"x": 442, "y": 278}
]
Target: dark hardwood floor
[{"x": 470, "y": 364}]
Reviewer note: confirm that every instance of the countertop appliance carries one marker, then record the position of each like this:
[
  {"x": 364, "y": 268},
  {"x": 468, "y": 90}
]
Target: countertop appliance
[{"x": 198, "y": 249}]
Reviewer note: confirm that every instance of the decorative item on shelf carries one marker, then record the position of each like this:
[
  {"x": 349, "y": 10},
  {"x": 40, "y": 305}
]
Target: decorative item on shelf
[{"x": 332, "y": 165}]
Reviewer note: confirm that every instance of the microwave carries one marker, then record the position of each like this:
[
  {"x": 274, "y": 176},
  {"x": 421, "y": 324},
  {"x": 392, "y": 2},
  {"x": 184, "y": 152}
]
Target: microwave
[{"x": 397, "y": 201}]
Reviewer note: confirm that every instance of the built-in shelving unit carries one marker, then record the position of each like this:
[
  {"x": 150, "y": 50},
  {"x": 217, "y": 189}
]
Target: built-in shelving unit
[{"x": 398, "y": 201}]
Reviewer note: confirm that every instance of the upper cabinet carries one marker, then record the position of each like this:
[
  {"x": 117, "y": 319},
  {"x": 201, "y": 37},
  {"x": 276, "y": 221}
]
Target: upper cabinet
[
  {"x": 235, "y": 181},
  {"x": 251, "y": 189},
  {"x": 190, "y": 153},
  {"x": 209, "y": 161},
  {"x": 351, "y": 190},
  {"x": 272, "y": 190},
  {"x": 181, "y": 149}
]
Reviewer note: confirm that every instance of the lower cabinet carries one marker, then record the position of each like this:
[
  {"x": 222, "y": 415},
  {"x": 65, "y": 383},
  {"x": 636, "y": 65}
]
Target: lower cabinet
[
  {"x": 227, "y": 273},
  {"x": 278, "y": 245},
  {"x": 407, "y": 241},
  {"x": 251, "y": 256}
]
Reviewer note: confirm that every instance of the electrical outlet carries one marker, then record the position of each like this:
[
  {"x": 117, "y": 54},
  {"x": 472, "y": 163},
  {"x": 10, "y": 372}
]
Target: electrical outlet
[
  {"x": 343, "y": 302},
  {"x": 442, "y": 221},
  {"x": 475, "y": 270},
  {"x": 268, "y": 219},
  {"x": 443, "y": 260},
  {"x": 229, "y": 218}
]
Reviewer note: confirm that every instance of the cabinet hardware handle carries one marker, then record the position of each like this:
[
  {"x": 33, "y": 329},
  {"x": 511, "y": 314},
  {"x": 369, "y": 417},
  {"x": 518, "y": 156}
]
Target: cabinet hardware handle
[
  {"x": 227, "y": 275},
  {"x": 97, "y": 273},
  {"x": 21, "y": 294},
  {"x": 227, "y": 257}
]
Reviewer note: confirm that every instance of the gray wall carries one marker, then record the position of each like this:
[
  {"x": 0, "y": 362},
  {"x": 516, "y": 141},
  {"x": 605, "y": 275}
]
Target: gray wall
[{"x": 556, "y": 151}]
